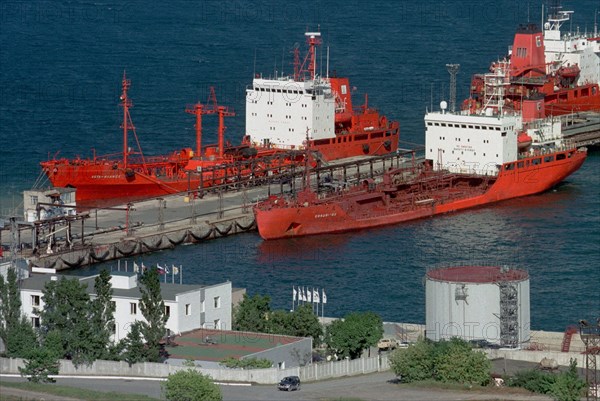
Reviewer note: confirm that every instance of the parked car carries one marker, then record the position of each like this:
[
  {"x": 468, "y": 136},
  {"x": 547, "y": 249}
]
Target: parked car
[
  {"x": 289, "y": 383},
  {"x": 387, "y": 344}
]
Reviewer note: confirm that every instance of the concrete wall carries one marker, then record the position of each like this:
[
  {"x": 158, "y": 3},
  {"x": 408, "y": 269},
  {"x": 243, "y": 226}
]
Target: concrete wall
[
  {"x": 562, "y": 358},
  {"x": 260, "y": 376},
  {"x": 292, "y": 355}
]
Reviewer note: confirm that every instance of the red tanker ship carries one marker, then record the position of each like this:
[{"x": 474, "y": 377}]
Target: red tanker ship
[
  {"x": 563, "y": 69},
  {"x": 280, "y": 112},
  {"x": 471, "y": 160}
]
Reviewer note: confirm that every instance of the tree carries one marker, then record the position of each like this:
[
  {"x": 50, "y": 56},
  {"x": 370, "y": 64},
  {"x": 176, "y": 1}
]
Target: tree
[
  {"x": 153, "y": 310},
  {"x": 568, "y": 385},
  {"x": 133, "y": 345},
  {"x": 66, "y": 309},
  {"x": 414, "y": 363},
  {"x": 43, "y": 360},
  {"x": 191, "y": 385},
  {"x": 304, "y": 323},
  {"x": 356, "y": 333},
  {"x": 102, "y": 315},
  {"x": 15, "y": 330},
  {"x": 251, "y": 314}
]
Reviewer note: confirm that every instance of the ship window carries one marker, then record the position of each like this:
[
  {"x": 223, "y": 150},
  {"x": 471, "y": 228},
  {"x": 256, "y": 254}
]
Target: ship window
[
  {"x": 470, "y": 126},
  {"x": 477, "y": 127},
  {"x": 483, "y": 127},
  {"x": 443, "y": 124},
  {"x": 510, "y": 166},
  {"x": 548, "y": 159},
  {"x": 497, "y": 128},
  {"x": 520, "y": 164},
  {"x": 576, "y": 93},
  {"x": 585, "y": 92},
  {"x": 535, "y": 162},
  {"x": 463, "y": 126},
  {"x": 430, "y": 124},
  {"x": 594, "y": 90},
  {"x": 560, "y": 156},
  {"x": 504, "y": 134},
  {"x": 437, "y": 124}
]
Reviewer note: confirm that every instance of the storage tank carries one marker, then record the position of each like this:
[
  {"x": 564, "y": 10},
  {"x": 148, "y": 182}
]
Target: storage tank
[{"x": 478, "y": 303}]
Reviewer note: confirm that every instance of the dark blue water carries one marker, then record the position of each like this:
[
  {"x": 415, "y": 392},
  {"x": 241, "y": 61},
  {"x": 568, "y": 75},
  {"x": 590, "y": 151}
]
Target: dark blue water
[{"x": 60, "y": 70}]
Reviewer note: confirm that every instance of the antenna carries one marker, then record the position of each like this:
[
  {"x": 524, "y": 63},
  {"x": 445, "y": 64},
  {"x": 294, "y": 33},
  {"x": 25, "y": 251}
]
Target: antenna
[
  {"x": 254, "y": 73},
  {"x": 453, "y": 70},
  {"x": 327, "y": 62},
  {"x": 282, "y": 58}
]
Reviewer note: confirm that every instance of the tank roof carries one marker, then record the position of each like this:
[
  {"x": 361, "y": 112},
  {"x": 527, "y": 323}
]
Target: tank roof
[{"x": 477, "y": 274}]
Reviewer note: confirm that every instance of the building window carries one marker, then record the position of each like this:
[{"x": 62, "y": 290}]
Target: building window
[
  {"x": 217, "y": 302},
  {"x": 188, "y": 309},
  {"x": 217, "y": 324},
  {"x": 202, "y": 307},
  {"x": 133, "y": 308},
  {"x": 35, "y": 321},
  {"x": 167, "y": 310},
  {"x": 35, "y": 300},
  {"x": 33, "y": 199}
]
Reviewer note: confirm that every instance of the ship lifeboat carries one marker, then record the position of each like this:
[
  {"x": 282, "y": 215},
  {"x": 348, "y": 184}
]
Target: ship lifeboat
[
  {"x": 569, "y": 72},
  {"x": 343, "y": 117},
  {"x": 524, "y": 141}
]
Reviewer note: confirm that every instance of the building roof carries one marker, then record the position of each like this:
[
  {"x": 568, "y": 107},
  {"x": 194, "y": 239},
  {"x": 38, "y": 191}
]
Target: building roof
[
  {"x": 477, "y": 274},
  {"x": 169, "y": 291},
  {"x": 223, "y": 344}
]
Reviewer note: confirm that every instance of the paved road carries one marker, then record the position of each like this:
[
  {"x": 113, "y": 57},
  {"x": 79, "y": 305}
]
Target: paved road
[{"x": 379, "y": 386}]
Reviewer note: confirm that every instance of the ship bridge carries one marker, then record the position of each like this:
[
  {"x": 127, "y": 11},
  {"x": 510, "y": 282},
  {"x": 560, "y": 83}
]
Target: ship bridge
[{"x": 281, "y": 112}]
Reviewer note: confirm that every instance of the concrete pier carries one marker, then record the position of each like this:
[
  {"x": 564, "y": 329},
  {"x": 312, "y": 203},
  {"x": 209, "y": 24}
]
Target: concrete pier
[{"x": 101, "y": 235}]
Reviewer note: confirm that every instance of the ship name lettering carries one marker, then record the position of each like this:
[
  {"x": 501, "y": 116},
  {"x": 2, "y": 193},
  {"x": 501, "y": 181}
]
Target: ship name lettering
[
  {"x": 99, "y": 177},
  {"x": 325, "y": 215}
]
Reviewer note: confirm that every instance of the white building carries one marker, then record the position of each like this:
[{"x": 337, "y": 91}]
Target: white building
[{"x": 189, "y": 307}]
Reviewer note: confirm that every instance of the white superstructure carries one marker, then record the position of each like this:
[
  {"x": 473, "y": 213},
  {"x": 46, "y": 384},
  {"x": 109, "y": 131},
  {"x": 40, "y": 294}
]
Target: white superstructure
[
  {"x": 282, "y": 112},
  {"x": 572, "y": 48},
  {"x": 470, "y": 143}
]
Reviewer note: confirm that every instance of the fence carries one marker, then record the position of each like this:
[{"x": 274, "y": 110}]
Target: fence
[{"x": 261, "y": 376}]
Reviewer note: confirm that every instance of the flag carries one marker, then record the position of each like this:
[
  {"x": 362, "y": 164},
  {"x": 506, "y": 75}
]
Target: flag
[
  {"x": 294, "y": 293},
  {"x": 316, "y": 296},
  {"x": 302, "y": 295},
  {"x": 161, "y": 270},
  {"x": 309, "y": 293},
  {"x": 324, "y": 297},
  {"x": 175, "y": 269},
  {"x": 136, "y": 268},
  {"x": 143, "y": 268}
]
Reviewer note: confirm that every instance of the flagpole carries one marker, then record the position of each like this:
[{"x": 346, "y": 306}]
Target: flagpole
[{"x": 180, "y": 274}]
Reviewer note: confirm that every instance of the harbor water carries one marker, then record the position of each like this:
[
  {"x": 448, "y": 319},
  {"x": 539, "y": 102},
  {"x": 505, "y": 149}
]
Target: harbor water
[{"x": 61, "y": 65}]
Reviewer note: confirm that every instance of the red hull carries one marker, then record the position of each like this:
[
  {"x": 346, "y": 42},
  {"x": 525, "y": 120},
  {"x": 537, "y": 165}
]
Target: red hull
[{"x": 391, "y": 204}]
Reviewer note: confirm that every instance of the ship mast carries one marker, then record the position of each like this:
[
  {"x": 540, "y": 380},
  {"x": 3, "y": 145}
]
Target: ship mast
[{"x": 126, "y": 104}]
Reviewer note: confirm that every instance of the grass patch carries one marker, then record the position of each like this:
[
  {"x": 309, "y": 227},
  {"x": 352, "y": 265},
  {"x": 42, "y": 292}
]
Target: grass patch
[{"x": 70, "y": 392}]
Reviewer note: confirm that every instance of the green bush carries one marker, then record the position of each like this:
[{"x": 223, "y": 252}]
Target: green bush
[
  {"x": 460, "y": 364},
  {"x": 533, "y": 380},
  {"x": 447, "y": 361},
  {"x": 249, "y": 363},
  {"x": 568, "y": 386},
  {"x": 414, "y": 363},
  {"x": 190, "y": 385}
]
